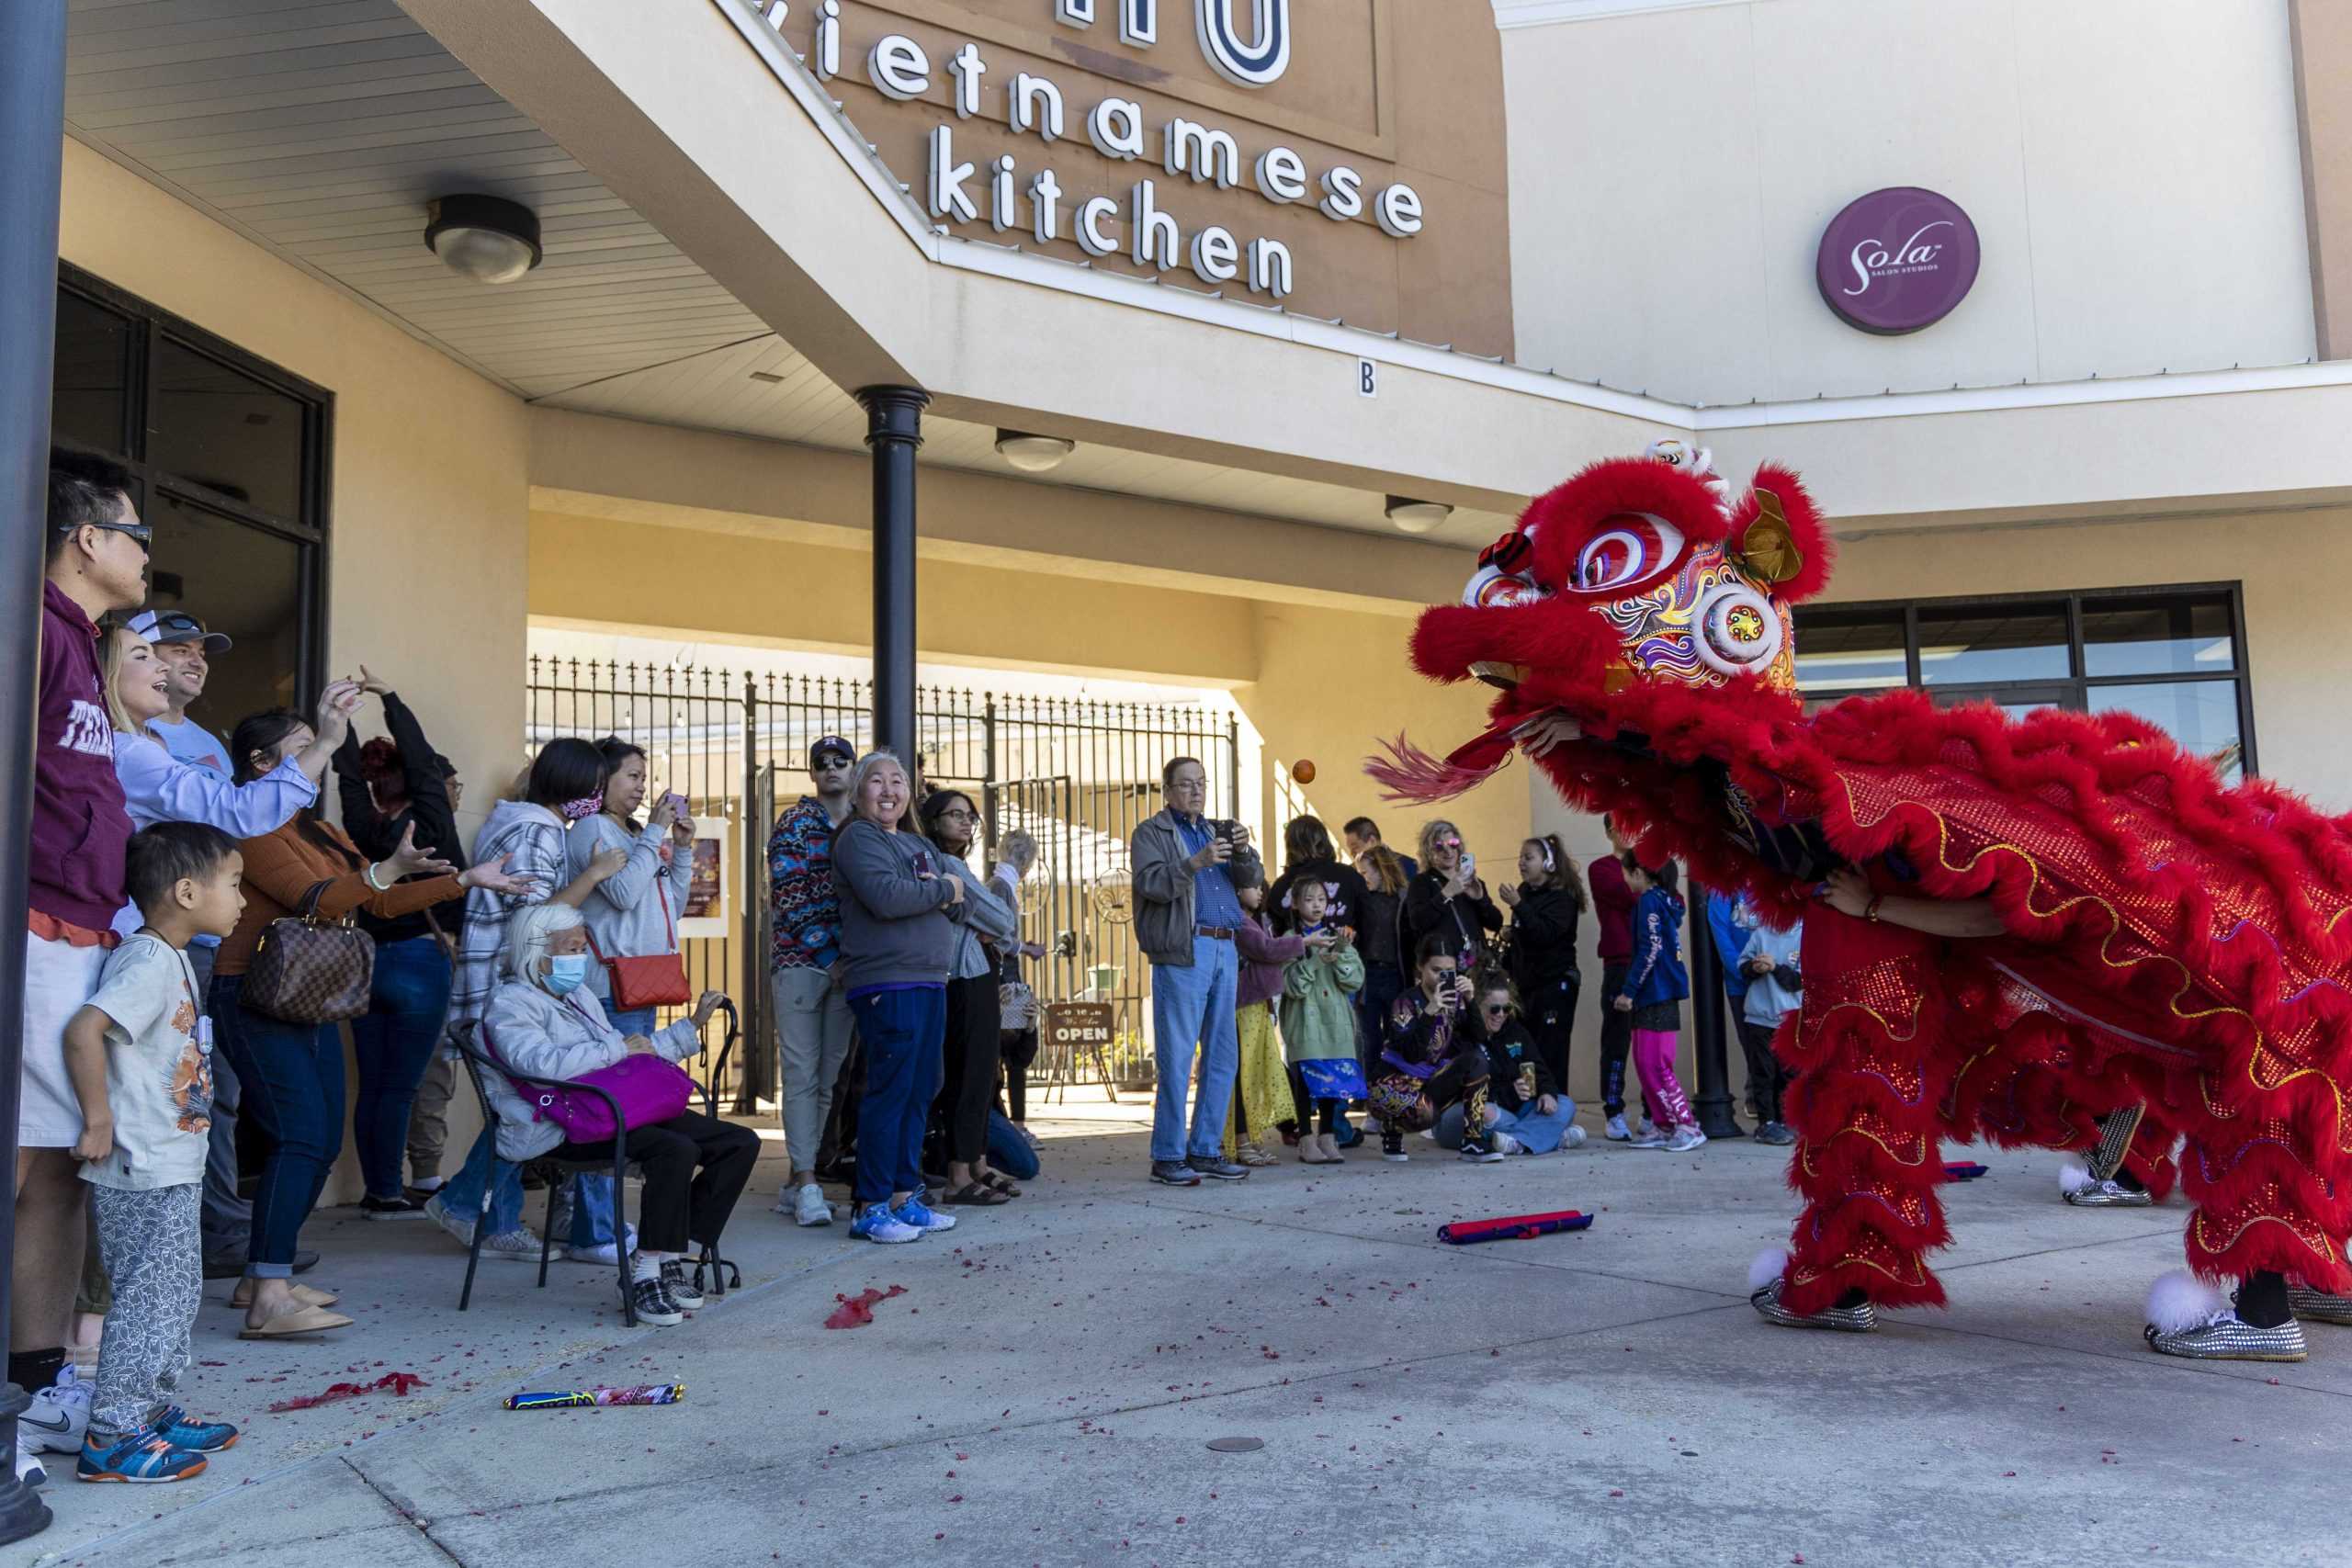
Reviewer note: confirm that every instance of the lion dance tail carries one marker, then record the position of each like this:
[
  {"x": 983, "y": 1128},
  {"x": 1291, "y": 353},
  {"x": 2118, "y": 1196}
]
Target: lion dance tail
[{"x": 1410, "y": 776}]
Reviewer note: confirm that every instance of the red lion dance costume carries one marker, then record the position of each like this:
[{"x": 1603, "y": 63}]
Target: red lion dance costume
[{"x": 2163, "y": 940}]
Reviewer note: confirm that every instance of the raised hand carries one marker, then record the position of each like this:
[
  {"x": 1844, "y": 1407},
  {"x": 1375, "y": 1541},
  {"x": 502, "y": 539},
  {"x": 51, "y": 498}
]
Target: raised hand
[
  {"x": 608, "y": 863},
  {"x": 373, "y": 685},
  {"x": 1539, "y": 736},
  {"x": 495, "y": 876},
  {"x": 410, "y": 858},
  {"x": 331, "y": 719}
]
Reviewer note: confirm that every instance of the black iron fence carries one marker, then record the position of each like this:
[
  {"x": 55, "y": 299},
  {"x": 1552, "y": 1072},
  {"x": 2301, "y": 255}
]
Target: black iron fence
[{"x": 1077, "y": 776}]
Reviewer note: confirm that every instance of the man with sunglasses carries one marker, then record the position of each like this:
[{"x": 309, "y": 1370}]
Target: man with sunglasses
[{"x": 96, "y": 564}]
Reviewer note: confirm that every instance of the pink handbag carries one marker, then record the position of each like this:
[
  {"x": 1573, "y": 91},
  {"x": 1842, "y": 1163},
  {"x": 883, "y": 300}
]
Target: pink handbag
[{"x": 650, "y": 1090}]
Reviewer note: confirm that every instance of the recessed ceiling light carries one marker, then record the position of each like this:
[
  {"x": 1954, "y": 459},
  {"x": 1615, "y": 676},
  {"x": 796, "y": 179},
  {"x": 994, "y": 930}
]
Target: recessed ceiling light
[
  {"x": 768, "y": 376},
  {"x": 1032, "y": 454},
  {"x": 486, "y": 238},
  {"x": 1416, "y": 516}
]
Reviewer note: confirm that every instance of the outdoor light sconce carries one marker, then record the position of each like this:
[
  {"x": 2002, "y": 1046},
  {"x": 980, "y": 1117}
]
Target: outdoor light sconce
[
  {"x": 1032, "y": 454},
  {"x": 1416, "y": 516},
  {"x": 486, "y": 238}
]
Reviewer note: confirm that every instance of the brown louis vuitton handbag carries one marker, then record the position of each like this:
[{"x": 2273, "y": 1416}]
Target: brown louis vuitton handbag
[{"x": 310, "y": 971}]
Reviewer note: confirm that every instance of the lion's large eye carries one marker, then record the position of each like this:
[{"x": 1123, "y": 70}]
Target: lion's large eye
[{"x": 1631, "y": 545}]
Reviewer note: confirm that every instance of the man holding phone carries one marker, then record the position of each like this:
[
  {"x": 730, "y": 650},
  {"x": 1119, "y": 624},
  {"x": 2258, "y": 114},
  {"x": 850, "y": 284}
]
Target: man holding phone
[{"x": 1185, "y": 868}]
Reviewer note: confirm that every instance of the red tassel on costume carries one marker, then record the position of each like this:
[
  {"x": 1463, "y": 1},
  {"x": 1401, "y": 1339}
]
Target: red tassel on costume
[{"x": 1410, "y": 776}]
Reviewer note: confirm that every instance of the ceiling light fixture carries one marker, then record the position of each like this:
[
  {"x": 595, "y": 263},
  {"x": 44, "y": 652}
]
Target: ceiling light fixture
[
  {"x": 1416, "y": 516},
  {"x": 1032, "y": 454},
  {"x": 486, "y": 238}
]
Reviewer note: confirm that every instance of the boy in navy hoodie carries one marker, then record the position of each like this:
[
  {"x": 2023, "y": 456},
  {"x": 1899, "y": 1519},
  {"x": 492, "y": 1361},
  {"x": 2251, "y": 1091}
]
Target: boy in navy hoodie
[{"x": 1653, "y": 990}]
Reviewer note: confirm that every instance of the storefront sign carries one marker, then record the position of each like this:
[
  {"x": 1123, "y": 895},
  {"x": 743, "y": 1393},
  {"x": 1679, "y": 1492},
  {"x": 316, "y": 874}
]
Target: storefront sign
[
  {"x": 1216, "y": 155},
  {"x": 1897, "y": 260}
]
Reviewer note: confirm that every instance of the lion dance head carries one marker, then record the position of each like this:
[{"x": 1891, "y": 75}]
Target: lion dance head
[{"x": 1638, "y": 577}]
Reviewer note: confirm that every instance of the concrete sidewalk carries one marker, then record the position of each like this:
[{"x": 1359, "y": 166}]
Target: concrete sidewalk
[{"x": 1047, "y": 1389}]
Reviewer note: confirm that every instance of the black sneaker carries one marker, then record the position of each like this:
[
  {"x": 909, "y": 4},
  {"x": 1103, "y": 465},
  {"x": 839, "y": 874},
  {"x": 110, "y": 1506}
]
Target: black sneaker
[
  {"x": 374, "y": 1208},
  {"x": 680, "y": 1284},
  {"x": 653, "y": 1304},
  {"x": 1174, "y": 1173},
  {"x": 1216, "y": 1168},
  {"x": 1392, "y": 1144}
]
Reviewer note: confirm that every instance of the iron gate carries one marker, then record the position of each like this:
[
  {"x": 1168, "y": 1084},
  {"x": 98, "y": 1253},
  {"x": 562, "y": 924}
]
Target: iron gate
[{"x": 1079, "y": 776}]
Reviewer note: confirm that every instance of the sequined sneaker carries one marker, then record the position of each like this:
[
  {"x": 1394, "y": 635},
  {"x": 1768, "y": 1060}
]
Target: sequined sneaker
[
  {"x": 2317, "y": 1306},
  {"x": 1860, "y": 1319},
  {"x": 2109, "y": 1194},
  {"x": 2225, "y": 1337}
]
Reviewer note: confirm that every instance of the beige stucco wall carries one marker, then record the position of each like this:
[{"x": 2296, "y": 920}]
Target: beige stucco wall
[
  {"x": 2131, "y": 166},
  {"x": 426, "y": 530}
]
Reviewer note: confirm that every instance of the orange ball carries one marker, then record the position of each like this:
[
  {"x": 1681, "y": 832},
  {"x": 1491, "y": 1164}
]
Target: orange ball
[{"x": 1303, "y": 771}]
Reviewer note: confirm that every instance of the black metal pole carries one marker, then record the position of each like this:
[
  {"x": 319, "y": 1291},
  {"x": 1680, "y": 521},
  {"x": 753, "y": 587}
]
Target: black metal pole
[
  {"x": 894, "y": 433},
  {"x": 1713, "y": 1102},
  {"x": 32, "y": 128}
]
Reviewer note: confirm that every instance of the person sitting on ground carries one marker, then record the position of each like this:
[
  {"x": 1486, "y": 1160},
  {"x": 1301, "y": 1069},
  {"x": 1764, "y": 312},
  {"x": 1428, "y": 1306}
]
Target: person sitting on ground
[
  {"x": 1319, "y": 1021},
  {"x": 972, "y": 1042},
  {"x": 1261, "y": 1092},
  {"x": 294, "y": 1072},
  {"x": 896, "y": 942},
  {"x": 141, "y": 1060},
  {"x": 1449, "y": 898},
  {"x": 1544, "y": 909},
  {"x": 694, "y": 1165},
  {"x": 1527, "y": 1111},
  {"x": 395, "y": 786},
  {"x": 1655, "y": 985},
  {"x": 1427, "y": 1060},
  {"x": 1775, "y": 989}
]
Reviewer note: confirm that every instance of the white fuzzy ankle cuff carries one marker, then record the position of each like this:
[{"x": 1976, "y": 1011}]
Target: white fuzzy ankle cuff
[{"x": 2181, "y": 1301}]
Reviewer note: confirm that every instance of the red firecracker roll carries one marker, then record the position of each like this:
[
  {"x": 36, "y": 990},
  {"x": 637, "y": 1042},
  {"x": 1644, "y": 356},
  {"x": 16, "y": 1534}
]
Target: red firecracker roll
[{"x": 1512, "y": 1228}]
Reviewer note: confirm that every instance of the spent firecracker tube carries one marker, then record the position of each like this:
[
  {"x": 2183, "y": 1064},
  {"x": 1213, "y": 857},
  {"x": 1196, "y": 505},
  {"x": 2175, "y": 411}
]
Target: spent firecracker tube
[
  {"x": 590, "y": 1398},
  {"x": 1510, "y": 1227}
]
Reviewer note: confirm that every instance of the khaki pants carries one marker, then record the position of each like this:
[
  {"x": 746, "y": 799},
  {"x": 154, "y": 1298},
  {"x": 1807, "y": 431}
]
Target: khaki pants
[
  {"x": 812, "y": 1027},
  {"x": 428, "y": 1118}
]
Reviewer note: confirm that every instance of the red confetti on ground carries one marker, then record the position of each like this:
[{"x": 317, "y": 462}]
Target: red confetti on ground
[
  {"x": 857, "y": 1311},
  {"x": 399, "y": 1382}
]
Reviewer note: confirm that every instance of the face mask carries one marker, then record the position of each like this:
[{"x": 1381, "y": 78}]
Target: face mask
[
  {"x": 567, "y": 972},
  {"x": 580, "y": 810}
]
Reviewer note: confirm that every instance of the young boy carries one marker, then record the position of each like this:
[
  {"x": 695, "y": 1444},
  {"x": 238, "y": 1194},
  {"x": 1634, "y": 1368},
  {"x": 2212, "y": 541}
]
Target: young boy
[{"x": 140, "y": 1053}]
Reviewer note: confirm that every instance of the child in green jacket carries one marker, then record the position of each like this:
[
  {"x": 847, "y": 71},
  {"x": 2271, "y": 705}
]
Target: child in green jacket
[{"x": 1320, "y": 1019}]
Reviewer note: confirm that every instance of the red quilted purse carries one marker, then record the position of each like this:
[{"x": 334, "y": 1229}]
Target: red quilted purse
[{"x": 655, "y": 980}]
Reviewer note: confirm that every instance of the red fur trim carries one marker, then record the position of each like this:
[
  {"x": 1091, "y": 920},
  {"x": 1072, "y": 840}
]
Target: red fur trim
[
  {"x": 1808, "y": 526},
  {"x": 1564, "y": 517}
]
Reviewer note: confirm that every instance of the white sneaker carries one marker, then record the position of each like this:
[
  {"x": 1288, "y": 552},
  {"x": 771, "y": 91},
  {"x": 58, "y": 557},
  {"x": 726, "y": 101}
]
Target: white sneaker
[
  {"x": 1617, "y": 1130},
  {"x": 517, "y": 1245},
  {"x": 57, "y": 1419},
  {"x": 1504, "y": 1144},
  {"x": 809, "y": 1207},
  {"x": 29, "y": 1469},
  {"x": 1649, "y": 1137},
  {"x": 1684, "y": 1140},
  {"x": 1573, "y": 1138},
  {"x": 607, "y": 1254},
  {"x": 436, "y": 1209},
  {"x": 1650, "y": 1129}
]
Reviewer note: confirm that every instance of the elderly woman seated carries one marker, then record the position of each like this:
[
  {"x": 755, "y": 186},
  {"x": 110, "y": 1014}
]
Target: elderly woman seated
[{"x": 540, "y": 1023}]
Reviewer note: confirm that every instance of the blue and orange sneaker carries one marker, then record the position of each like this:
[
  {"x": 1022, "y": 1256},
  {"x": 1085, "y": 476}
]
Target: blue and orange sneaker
[
  {"x": 141, "y": 1456},
  {"x": 196, "y": 1436}
]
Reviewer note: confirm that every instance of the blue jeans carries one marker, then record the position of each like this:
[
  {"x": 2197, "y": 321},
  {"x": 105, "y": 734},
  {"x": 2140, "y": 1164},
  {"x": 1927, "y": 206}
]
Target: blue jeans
[
  {"x": 1541, "y": 1134},
  {"x": 392, "y": 1042},
  {"x": 1009, "y": 1151},
  {"x": 291, "y": 1079},
  {"x": 902, "y": 1031},
  {"x": 1191, "y": 1008}
]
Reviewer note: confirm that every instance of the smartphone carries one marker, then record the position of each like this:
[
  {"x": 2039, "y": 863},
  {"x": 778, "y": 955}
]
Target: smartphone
[
  {"x": 1469, "y": 865},
  {"x": 677, "y": 803}
]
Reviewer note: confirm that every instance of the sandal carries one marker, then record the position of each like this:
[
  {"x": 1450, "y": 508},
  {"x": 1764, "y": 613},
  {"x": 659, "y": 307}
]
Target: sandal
[
  {"x": 973, "y": 1195},
  {"x": 304, "y": 1295},
  {"x": 293, "y": 1324},
  {"x": 997, "y": 1181}
]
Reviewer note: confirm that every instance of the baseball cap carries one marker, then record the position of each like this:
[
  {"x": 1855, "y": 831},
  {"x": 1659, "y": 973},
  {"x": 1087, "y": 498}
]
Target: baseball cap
[
  {"x": 177, "y": 625},
  {"x": 830, "y": 746}
]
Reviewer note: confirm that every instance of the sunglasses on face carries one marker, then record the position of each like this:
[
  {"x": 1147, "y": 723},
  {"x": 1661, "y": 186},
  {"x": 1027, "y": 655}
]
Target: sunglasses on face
[
  {"x": 138, "y": 531},
  {"x": 1496, "y": 1010}
]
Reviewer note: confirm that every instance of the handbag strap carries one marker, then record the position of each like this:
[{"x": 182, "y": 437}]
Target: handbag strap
[
  {"x": 662, "y": 886},
  {"x": 307, "y": 910}
]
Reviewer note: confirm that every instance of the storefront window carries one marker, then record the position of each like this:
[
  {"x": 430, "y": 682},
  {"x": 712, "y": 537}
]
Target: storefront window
[
  {"x": 228, "y": 460},
  {"x": 2170, "y": 655}
]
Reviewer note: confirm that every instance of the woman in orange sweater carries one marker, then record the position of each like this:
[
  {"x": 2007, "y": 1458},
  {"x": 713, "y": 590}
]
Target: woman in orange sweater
[{"x": 291, "y": 1073}]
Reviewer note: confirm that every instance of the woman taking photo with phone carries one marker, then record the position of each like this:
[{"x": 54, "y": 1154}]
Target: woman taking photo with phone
[
  {"x": 1449, "y": 900},
  {"x": 634, "y": 912}
]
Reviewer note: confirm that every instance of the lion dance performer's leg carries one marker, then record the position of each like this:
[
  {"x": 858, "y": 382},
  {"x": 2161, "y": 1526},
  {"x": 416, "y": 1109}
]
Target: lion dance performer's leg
[{"x": 1871, "y": 1056}]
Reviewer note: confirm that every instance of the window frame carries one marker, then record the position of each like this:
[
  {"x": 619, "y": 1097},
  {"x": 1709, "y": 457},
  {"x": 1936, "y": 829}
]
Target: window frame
[
  {"x": 151, "y": 327},
  {"x": 2075, "y": 684}
]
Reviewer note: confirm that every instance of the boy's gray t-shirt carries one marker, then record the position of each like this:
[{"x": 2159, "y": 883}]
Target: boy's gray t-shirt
[{"x": 158, "y": 1068}]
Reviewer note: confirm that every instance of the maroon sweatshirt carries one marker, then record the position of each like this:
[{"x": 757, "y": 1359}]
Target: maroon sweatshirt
[
  {"x": 80, "y": 824},
  {"x": 1262, "y": 954},
  {"x": 1612, "y": 904}
]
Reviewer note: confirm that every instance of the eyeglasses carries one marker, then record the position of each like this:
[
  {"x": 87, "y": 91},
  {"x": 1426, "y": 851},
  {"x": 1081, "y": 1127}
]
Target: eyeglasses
[{"x": 956, "y": 814}]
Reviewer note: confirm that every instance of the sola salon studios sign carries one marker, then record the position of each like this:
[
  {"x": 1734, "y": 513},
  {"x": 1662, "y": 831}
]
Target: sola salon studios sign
[
  {"x": 1084, "y": 127},
  {"x": 1897, "y": 260}
]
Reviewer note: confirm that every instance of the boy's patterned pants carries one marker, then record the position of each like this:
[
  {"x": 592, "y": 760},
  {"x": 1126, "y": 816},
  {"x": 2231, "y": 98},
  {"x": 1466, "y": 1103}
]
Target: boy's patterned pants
[{"x": 150, "y": 1242}]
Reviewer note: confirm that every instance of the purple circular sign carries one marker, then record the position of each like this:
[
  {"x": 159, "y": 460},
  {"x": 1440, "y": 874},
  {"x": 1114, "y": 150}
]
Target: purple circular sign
[{"x": 1897, "y": 260}]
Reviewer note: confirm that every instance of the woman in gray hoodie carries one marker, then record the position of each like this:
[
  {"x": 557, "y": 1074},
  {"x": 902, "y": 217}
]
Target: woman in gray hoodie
[{"x": 898, "y": 945}]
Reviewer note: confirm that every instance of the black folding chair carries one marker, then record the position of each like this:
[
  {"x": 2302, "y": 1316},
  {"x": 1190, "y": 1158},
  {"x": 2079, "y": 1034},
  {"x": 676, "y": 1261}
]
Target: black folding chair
[
  {"x": 723, "y": 1275},
  {"x": 477, "y": 1062}
]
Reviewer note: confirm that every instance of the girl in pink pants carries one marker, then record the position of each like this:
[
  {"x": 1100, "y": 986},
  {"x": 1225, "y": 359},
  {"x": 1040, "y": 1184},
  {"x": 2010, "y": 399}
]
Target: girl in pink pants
[{"x": 1656, "y": 983}]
